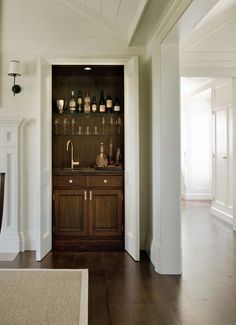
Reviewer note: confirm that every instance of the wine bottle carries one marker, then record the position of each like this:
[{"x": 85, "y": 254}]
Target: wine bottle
[
  {"x": 94, "y": 105},
  {"x": 109, "y": 103},
  {"x": 101, "y": 159},
  {"x": 102, "y": 105},
  {"x": 72, "y": 102},
  {"x": 87, "y": 107},
  {"x": 117, "y": 105},
  {"x": 80, "y": 102}
]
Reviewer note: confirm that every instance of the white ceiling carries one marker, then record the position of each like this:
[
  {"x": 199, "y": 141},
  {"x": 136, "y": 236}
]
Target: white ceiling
[{"x": 130, "y": 21}]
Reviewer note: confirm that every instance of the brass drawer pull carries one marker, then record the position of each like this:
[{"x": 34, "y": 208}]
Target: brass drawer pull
[
  {"x": 90, "y": 195},
  {"x": 70, "y": 181},
  {"x": 85, "y": 195},
  {"x": 105, "y": 181}
]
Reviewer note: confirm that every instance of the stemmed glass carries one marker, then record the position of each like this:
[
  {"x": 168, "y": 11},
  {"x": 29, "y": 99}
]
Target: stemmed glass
[
  {"x": 56, "y": 125},
  {"x": 119, "y": 123},
  {"x": 111, "y": 125},
  {"x": 73, "y": 126},
  {"x": 103, "y": 125},
  {"x": 65, "y": 122}
]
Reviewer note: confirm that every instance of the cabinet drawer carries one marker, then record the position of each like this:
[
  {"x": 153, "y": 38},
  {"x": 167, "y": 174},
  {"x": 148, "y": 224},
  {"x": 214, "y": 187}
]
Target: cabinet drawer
[
  {"x": 106, "y": 181},
  {"x": 70, "y": 181}
]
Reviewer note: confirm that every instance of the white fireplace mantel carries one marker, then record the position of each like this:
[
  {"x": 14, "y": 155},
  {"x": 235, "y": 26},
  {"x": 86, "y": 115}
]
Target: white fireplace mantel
[{"x": 11, "y": 146}]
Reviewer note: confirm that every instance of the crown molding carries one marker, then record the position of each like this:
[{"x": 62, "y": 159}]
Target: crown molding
[{"x": 169, "y": 18}]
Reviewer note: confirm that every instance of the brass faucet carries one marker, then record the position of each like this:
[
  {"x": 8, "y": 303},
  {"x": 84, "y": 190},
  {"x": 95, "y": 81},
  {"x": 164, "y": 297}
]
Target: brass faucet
[{"x": 73, "y": 163}]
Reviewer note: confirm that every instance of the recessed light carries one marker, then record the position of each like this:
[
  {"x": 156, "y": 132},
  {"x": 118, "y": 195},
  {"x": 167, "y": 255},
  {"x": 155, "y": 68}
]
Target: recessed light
[{"x": 87, "y": 68}]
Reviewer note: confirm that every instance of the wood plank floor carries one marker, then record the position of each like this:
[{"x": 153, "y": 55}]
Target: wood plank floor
[{"x": 123, "y": 292}]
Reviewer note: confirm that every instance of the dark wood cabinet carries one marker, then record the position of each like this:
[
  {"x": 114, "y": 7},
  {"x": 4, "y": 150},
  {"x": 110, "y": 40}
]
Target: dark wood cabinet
[
  {"x": 106, "y": 213},
  {"x": 88, "y": 212},
  {"x": 88, "y": 209},
  {"x": 70, "y": 213}
]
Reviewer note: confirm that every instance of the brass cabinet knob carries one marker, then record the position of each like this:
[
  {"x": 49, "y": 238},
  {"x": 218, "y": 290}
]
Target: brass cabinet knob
[
  {"x": 70, "y": 181},
  {"x": 105, "y": 181}
]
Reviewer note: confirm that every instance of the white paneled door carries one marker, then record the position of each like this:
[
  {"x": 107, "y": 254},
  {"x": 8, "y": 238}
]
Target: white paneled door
[
  {"x": 223, "y": 162},
  {"x": 132, "y": 232},
  {"x": 44, "y": 208}
]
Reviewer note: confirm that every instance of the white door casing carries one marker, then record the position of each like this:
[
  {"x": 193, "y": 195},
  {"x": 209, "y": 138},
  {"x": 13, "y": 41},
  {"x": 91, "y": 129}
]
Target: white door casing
[{"x": 44, "y": 168}]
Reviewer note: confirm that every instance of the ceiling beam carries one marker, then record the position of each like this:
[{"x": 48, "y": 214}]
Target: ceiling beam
[
  {"x": 138, "y": 15},
  {"x": 209, "y": 27},
  {"x": 94, "y": 16}
]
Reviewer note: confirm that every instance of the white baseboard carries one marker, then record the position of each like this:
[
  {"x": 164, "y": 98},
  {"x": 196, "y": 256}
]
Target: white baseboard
[
  {"x": 171, "y": 264},
  {"x": 196, "y": 196},
  {"x": 222, "y": 215},
  {"x": 9, "y": 243},
  {"x": 27, "y": 241},
  {"x": 151, "y": 249},
  {"x": 162, "y": 264},
  {"x": 13, "y": 242}
]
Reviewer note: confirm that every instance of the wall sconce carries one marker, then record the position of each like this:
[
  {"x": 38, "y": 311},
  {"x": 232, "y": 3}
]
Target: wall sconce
[{"x": 14, "y": 70}]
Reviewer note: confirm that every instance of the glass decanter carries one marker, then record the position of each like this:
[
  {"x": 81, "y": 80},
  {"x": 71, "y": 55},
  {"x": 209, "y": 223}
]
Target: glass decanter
[{"x": 101, "y": 159}]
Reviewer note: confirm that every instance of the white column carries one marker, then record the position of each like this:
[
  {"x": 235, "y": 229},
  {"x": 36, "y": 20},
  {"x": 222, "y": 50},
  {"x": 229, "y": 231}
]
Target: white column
[
  {"x": 168, "y": 226},
  {"x": 10, "y": 148}
]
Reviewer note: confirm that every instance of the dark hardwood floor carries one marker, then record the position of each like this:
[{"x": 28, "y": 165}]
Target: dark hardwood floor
[{"x": 123, "y": 292}]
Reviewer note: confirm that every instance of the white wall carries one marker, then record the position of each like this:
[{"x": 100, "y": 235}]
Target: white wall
[
  {"x": 196, "y": 145},
  {"x": 52, "y": 29}
]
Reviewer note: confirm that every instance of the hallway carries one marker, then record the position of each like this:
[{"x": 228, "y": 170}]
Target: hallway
[{"x": 122, "y": 292}]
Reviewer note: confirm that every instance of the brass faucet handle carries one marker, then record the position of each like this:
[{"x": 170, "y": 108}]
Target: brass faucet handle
[{"x": 75, "y": 163}]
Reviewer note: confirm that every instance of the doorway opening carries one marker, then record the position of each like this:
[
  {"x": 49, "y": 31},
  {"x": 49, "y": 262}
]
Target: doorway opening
[{"x": 196, "y": 139}]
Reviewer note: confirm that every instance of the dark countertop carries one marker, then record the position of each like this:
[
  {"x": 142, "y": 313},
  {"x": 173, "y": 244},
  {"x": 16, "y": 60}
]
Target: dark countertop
[{"x": 88, "y": 171}]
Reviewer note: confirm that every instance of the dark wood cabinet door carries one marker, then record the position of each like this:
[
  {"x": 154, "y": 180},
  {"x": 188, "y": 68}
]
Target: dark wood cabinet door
[
  {"x": 70, "y": 213},
  {"x": 105, "y": 213}
]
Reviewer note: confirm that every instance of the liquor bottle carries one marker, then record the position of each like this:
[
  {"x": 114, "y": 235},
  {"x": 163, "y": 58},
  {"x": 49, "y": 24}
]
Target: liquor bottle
[
  {"x": 80, "y": 102},
  {"x": 101, "y": 159},
  {"x": 94, "y": 105},
  {"x": 109, "y": 103},
  {"x": 102, "y": 105},
  {"x": 72, "y": 102},
  {"x": 87, "y": 107},
  {"x": 116, "y": 108}
]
